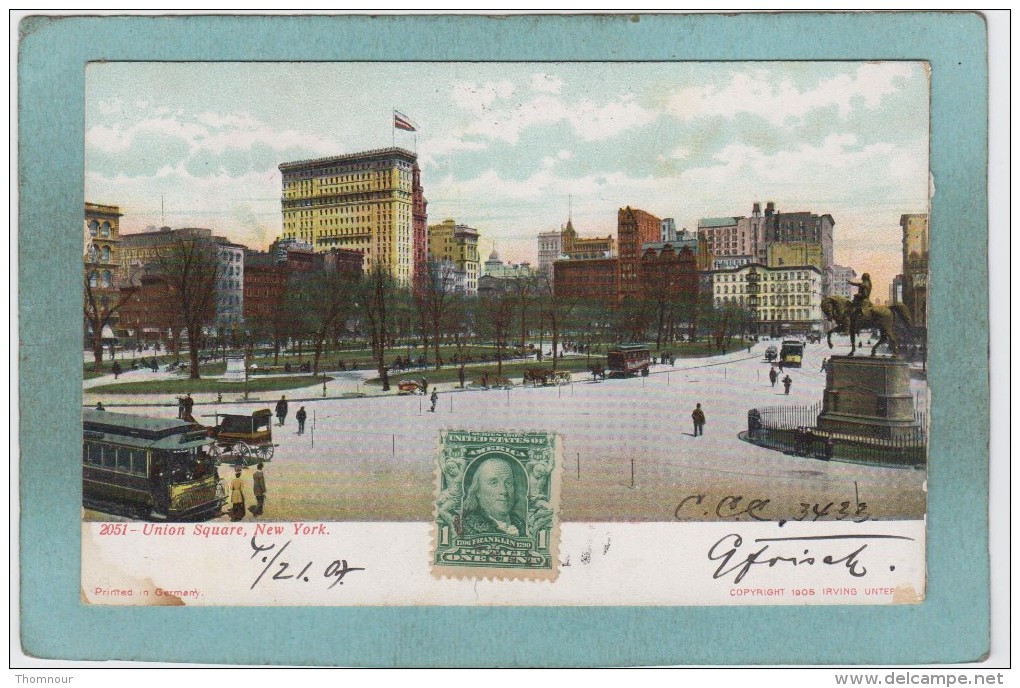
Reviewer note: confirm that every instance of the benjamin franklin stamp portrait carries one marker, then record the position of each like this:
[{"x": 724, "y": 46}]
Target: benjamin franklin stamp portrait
[{"x": 496, "y": 504}]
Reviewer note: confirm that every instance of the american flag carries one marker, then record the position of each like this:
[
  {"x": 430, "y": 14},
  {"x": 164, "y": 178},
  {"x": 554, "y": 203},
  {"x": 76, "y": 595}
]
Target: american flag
[{"x": 402, "y": 122}]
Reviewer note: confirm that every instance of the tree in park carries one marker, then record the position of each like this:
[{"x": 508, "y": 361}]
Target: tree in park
[
  {"x": 556, "y": 311},
  {"x": 100, "y": 305},
  {"x": 433, "y": 295},
  {"x": 375, "y": 294},
  {"x": 496, "y": 315},
  {"x": 325, "y": 299},
  {"x": 191, "y": 269}
]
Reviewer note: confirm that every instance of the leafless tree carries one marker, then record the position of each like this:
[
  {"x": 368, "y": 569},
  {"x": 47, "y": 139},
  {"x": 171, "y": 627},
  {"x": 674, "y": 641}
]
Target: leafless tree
[
  {"x": 556, "y": 310},
  {"x": 496, "y": 316},
  {"x": 376, "y": 291},
  {"x": 100, "y": 305},
  {"x": 433, "y": 297},
  {"x": 522, "y": 287},
  {"x": 326, "y": 299},
  {"x": 191, "y": 268}
]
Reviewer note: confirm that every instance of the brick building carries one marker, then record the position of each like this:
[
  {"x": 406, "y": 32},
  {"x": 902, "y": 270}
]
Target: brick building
[
  {"x": 597, "y": 278},
  {"x": 634, "y": 229}
]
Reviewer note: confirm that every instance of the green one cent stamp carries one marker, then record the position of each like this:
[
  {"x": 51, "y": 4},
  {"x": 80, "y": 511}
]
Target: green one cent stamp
[{"x": 497, "y": 505}]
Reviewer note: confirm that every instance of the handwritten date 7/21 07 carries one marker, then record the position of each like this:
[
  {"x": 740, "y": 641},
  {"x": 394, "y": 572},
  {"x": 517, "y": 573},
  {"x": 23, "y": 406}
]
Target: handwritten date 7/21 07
[
  {"x": 302, "y": 570},
  {"x": 738, "y": 507}
]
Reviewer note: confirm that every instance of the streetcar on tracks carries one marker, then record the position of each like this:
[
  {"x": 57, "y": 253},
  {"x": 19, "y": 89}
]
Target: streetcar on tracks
[
  {"x": 148, "y": 468},
  {"x": 625, "y": 360},
  {"x": 792, "y": 353}
]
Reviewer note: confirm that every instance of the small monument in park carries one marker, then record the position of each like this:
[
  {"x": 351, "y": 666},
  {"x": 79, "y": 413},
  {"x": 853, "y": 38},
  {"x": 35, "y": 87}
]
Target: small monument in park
[
  {"x": 867, "y": 396},
  {"x": 235, "y": 369}
]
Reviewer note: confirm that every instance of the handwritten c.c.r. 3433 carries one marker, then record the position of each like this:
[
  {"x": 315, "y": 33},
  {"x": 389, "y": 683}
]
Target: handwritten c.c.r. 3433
[{"x": 284, "y": 570}]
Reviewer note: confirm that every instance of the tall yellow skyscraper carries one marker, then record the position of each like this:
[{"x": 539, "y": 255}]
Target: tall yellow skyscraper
[{"x": 371, "y": 201}]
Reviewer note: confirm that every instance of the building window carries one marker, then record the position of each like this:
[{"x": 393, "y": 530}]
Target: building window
[
  {"x": 106, "y": 254},
  {"x": 104, "y": 230}
]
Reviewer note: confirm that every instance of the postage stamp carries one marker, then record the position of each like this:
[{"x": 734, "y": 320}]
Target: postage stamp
[{"x": 497, "y": 504}]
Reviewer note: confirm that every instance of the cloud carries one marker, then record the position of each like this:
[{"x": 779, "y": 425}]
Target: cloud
[
  {"x": 206, "y": 142},
  {"x": 759, "y": 92},
  {"x": 500, "y": 114}
]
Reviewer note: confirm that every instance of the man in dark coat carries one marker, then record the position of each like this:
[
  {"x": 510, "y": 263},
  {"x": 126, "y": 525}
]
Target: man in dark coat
[
  {"x": 259, "y": 488},
  {"x": 787, "y": 381},
  {"x": 301, "y": 416},
  {"x": 773, "y": 376},
  {"x": 281, "y": 409},
  {"x": 698, "y": 416}
]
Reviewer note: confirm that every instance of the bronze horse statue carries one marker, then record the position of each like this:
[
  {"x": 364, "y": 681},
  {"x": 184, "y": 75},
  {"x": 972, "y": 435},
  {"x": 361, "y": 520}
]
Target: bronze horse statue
[{"x": 841, "y": 311}]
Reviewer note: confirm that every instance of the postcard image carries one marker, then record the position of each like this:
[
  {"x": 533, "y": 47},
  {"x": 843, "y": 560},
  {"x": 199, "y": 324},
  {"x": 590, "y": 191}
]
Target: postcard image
[{"x": 529, "y": 333}]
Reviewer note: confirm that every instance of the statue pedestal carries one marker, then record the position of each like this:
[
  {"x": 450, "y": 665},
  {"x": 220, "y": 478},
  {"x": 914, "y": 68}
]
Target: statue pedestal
[
  {"x": 235, "y": 369},
  {"x": 867, "y": 397}
]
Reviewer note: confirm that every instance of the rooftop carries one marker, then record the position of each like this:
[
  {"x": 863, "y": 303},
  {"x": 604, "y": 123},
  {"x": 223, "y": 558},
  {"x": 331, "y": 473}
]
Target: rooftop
[
  {"x": 347, "y": 157},
  {"x": 718, "y": 221}
]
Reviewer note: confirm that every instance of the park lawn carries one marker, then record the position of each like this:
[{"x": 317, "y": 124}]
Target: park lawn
[
  {"x": 214, "y": 369},
  {"x": 472, "y": 373},
  {"x": 186, "y": 386},
  {"x": 362, "y": 359}
]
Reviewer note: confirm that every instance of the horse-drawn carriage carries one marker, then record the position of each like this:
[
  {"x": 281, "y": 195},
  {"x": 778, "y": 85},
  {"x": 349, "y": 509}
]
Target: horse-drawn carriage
[
  {"x": 543, "y": 376},
  {"x": 248, "y": 439}
]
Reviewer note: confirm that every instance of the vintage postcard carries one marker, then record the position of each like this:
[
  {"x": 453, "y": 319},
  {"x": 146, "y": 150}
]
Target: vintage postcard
[{"x": 506, "y": 333}]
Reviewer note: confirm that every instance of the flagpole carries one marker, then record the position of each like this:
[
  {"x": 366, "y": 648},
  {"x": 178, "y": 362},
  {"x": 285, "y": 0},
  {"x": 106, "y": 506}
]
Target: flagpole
[{"x": 393, "y": 129}]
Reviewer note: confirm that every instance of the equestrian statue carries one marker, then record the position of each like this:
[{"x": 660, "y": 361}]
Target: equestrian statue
[{"x": 851, "y": 316}]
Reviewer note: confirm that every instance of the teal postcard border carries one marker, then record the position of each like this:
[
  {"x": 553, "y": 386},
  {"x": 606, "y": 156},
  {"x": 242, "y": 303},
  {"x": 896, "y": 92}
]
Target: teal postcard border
[{"x": 952, "y": 625}]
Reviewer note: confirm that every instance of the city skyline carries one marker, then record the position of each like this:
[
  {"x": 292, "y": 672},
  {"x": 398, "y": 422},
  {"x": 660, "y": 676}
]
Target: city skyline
[{"x": 503, "y": 146}]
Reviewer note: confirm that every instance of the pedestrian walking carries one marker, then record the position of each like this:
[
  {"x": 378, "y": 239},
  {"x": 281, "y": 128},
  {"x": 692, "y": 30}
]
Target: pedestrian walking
[
  {"x": 237, "y": 496},
  {"x": 424, "y": 387},
  {"x": 281, "y": 409},
  {"x": 698, "y": 416},
  {"x": 460, "y": 375},
  {"x": 180, "y": 407},
  {"x": 259, "y": 488},
  {"x": 189, "y": 404},
  {"x": 434, "y": 399},
  {"x": 773, "y": 375},
  {"x": 301, "y": 417},
  {"x": 786, "y": 384},
  {"x": 116, "y": 370}
]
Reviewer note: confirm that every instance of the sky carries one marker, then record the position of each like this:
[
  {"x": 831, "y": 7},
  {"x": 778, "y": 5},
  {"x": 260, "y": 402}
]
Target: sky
[{"x": 512, "y": 148}]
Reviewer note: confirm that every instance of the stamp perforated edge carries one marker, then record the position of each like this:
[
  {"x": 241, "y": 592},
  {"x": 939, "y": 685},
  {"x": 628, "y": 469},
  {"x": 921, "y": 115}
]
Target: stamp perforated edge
[{"x": 488, "y": 572}]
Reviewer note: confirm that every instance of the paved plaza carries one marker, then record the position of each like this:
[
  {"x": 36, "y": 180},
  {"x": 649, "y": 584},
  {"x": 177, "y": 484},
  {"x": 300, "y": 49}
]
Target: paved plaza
[{"x": 629, "y": 450}]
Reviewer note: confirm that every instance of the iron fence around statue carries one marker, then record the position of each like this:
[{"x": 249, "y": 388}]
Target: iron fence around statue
[{"x": 792, "y": 429}]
